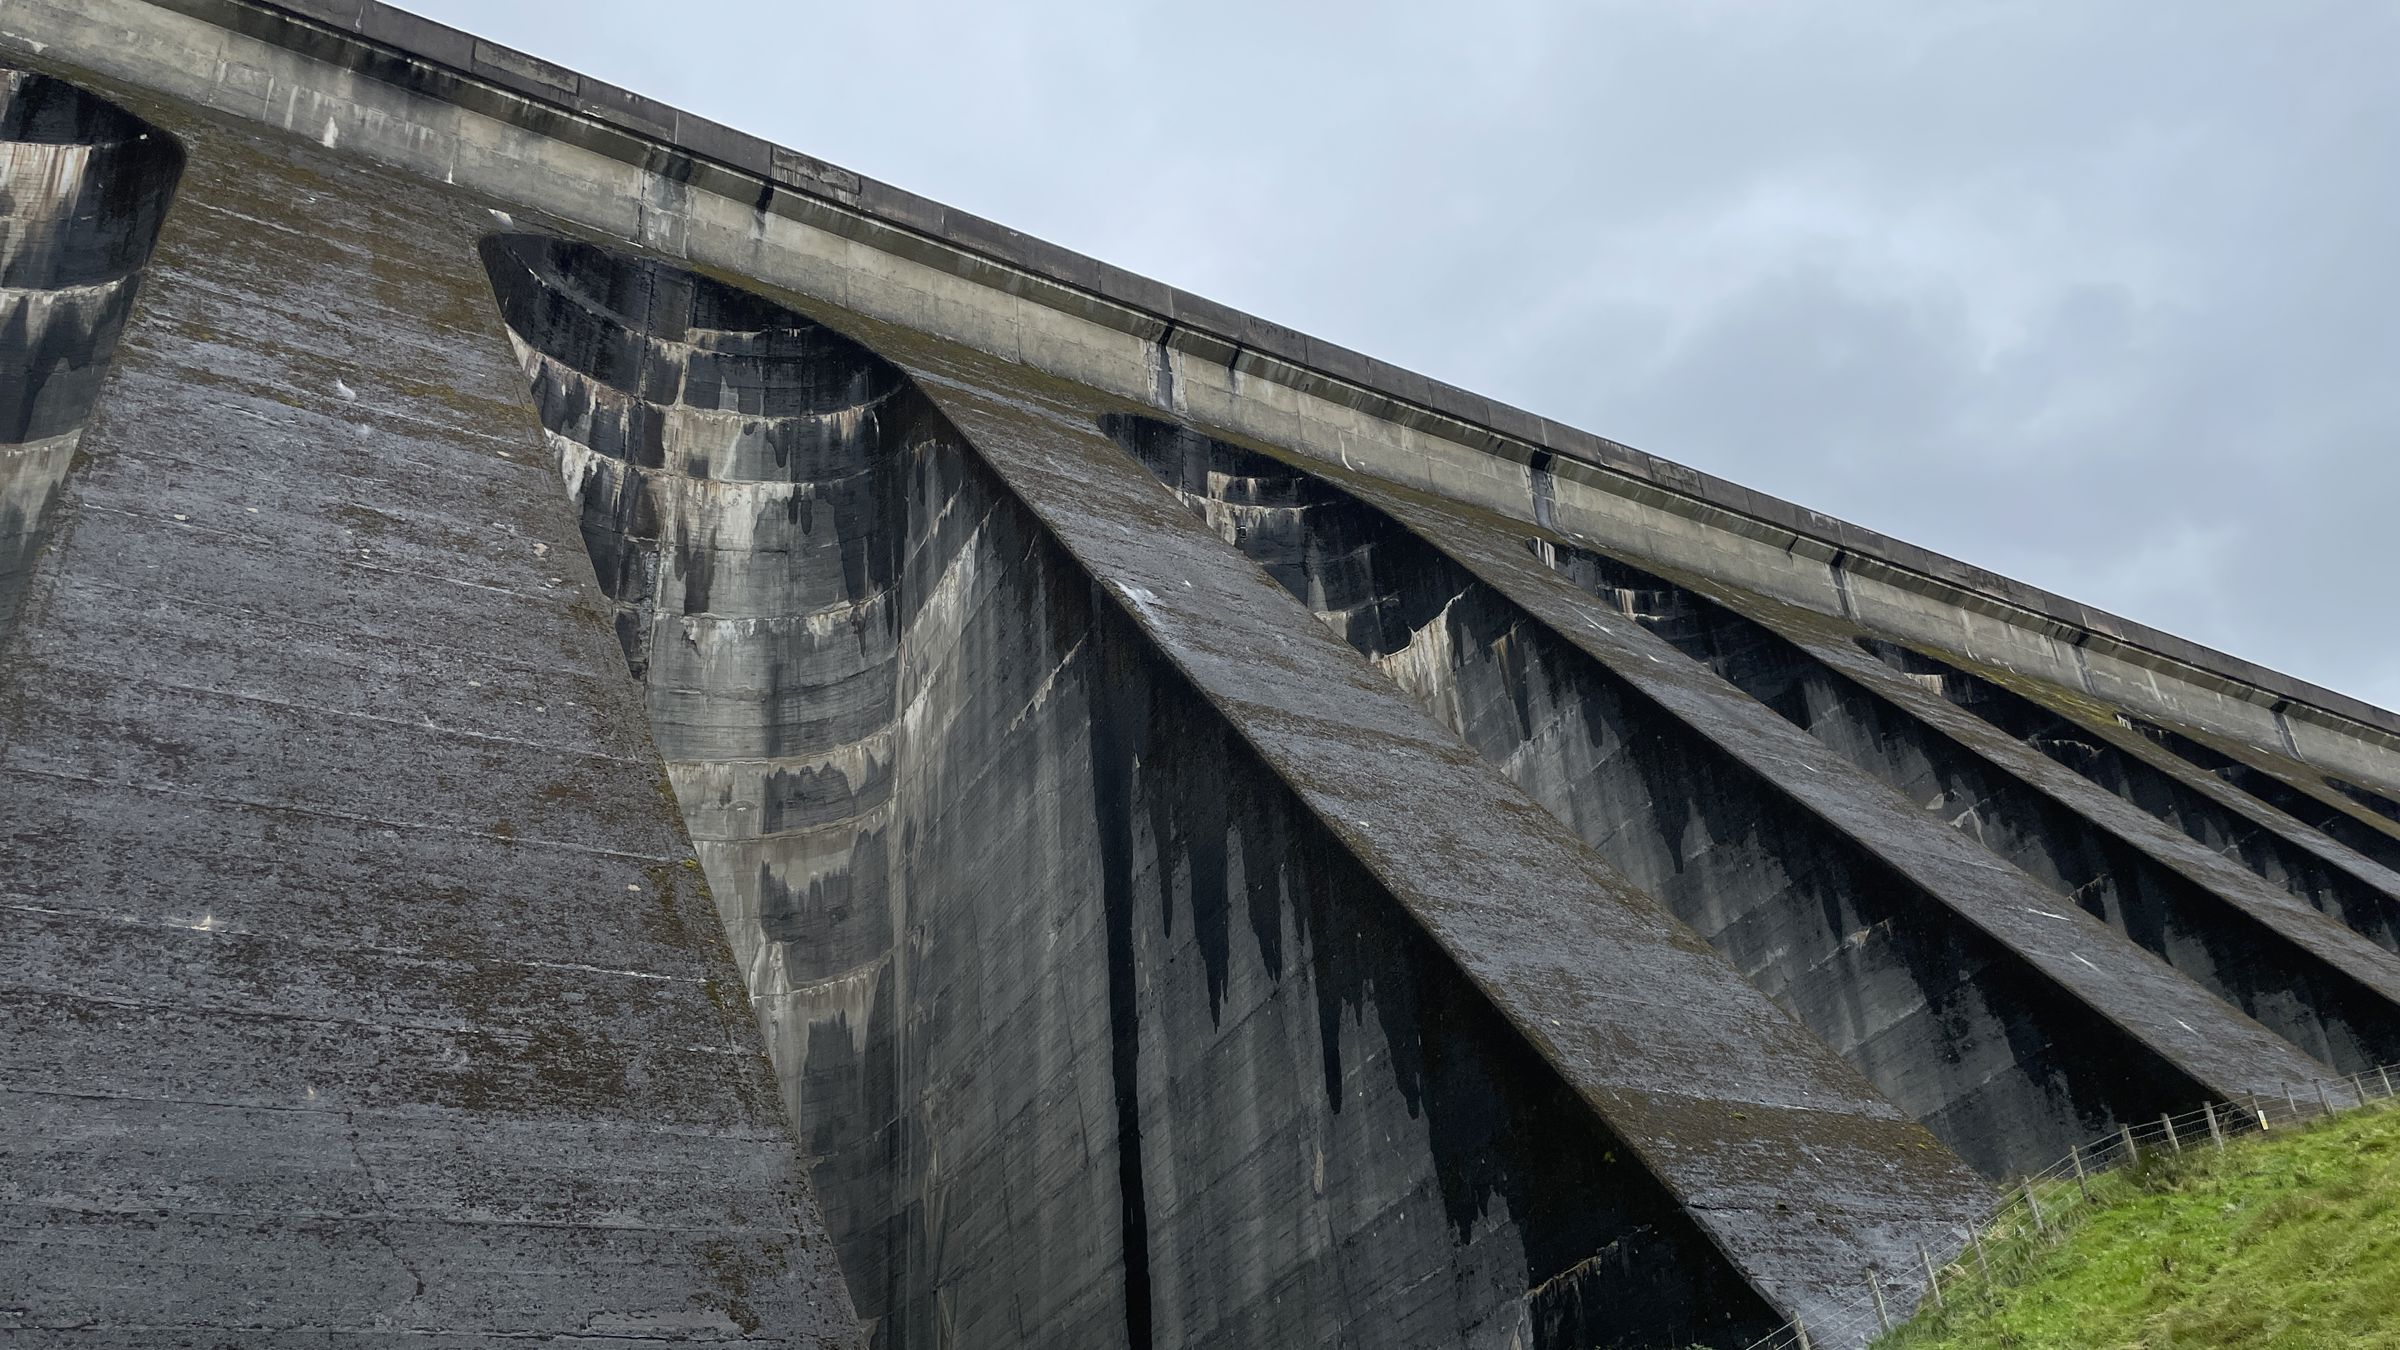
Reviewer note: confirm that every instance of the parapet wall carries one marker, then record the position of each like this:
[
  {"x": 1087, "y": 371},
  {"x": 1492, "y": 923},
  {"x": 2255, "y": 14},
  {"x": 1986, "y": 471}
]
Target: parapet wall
[
  {"x": 1226, "y": 843},
  {"x": 388, "y": 84}
]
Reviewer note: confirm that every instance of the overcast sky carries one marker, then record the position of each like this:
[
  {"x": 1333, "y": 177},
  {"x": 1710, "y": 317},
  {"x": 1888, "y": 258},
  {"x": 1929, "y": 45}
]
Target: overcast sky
[{"x": 2105, "y": 297}]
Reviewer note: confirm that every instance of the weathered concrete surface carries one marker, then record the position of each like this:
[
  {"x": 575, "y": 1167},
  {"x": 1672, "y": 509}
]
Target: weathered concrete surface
[
  {"x": 1139, "y": 966},
  {"x": 2356, "y": 821},
  {"x": 2013, "y": 1026},
  {"x": 1097, "y": 1034},
  {"x": 356, "y": 985},
  {"x": 2341, "y": 873},
  {"x": 83, "y": 187},
  {"x": 1725, "y": 1106},
  {"x": 2017, "y": 781},
  {"x": 459, "y": 109}
]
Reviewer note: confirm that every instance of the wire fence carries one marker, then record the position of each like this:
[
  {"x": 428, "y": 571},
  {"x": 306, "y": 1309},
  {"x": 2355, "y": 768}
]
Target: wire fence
[{"x": 2033, "y": 1214}]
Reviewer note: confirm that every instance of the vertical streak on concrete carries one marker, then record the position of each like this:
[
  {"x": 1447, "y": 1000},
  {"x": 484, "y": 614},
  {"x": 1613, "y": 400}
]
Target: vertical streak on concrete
[
  {"x": 1561, "y": 946},
  {"x": 2283, "y": 731},
  {"x": 1752, "y": 830},
  {"x": 1544, "y": 488},
  {"x": 2052, "y": 731},
  {"x": 1495, "y": 1174},
  {"x": 2103, "y": 829},
  {"x": 1113, "y": 761},
  {"x": 1841, "y": 582},
  {"x": 2083, "y": 663},
  {"x": 2326, "y": 807},
  {"x": 1330, "y": 1134},
  {"x": 388, "y": 85}
]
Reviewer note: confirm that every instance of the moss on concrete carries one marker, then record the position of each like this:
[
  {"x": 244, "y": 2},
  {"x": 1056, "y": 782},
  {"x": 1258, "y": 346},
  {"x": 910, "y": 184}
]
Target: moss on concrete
[{"x": 2287, "y": 1240}]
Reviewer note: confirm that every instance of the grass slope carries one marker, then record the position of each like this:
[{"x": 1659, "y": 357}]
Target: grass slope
[{"x": 2291, "y": 1239}]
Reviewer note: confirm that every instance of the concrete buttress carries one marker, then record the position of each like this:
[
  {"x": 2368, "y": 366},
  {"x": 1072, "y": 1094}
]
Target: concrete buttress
[{"x": 612, "y": 734}]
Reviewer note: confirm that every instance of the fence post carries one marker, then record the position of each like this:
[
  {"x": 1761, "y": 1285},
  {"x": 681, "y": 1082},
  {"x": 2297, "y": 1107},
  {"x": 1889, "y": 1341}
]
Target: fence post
[
  {"x": 2034, "y": 1204},
  {"x": 2075, "y": 1156},
  {"x": 1983, "y": 1263},
  {"x": 1800, "y": 1329},
  {"x": 2387, "y": 1080},
  {"x": 2290, "y": 1102},
  {"x": 2324, "y": 1106},
  {"x": 1933, "y": 1277},
  {"x": 2169, "y": 1122},
  {"x": 1874, "y": 1285},
  {"x": 2214, "y": 1132},
  {"x": 2133, "y": 1151}
]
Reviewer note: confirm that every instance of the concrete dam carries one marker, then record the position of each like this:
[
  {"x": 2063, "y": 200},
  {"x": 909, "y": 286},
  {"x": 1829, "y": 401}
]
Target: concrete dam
[{"x": 612, "y": 734}]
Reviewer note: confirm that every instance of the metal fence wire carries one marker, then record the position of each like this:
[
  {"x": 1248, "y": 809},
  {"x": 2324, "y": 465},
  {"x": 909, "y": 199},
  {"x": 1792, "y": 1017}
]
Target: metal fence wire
[{"x": 2032, "y": 1214}]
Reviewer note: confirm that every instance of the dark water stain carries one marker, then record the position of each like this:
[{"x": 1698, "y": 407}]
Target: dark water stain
[
  {"x": 88, "y": 188},
  {"x": 1033, "y": 690},
  {"x": 1823, "y": 924}
]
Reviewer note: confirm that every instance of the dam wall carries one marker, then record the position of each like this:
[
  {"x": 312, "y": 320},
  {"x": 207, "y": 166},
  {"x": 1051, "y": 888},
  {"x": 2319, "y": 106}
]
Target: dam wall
[
  {"x": 990, "y": 857},
  {"x": 88, "y": 185},
  {"x": 386, "y": 84},
  {"x": 359, "y": 985},
  {"x": 1682, "y": 784},
  {"x": 612, "y": 734}
]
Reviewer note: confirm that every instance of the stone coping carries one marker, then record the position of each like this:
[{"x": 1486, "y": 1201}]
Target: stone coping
[{"x": 432, "y": 59}]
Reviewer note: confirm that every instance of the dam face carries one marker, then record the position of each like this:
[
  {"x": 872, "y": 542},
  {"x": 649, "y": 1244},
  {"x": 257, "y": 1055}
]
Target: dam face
[
  {"x": 610, "y": 733},
  {"x": 86, "y": 185},
  {"x": 1001, "y": 884}
]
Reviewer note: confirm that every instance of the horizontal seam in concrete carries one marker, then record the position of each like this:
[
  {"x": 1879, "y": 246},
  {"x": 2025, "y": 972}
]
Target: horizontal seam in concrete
[
  {"x": 187, "y": 601},
  {"x": 317, "y": 1216},
  {"x": 405, "y": 1111},
  {"x": 516, "y": 1033},
  {"x": 388, "y": 1333},
  {"x": 338, "y": 557},
  {"x": 18, "y": 902},
  {"x": 170, "y": 365},
  {"x": 288, "y": 808},
  {"x": 422, "y": 725}
]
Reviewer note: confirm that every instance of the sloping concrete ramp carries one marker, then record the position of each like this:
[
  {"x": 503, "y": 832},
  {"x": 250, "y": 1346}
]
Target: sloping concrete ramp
[
  {"x": 1122, "y": 987},
  {"x": 614, "y": 735},
  {"x": 2004, "y": 1017},
  {"x": 357, "y": 985}
]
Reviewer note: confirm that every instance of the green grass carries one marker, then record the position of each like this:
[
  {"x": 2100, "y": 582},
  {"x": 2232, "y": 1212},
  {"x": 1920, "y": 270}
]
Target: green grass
[{"x": 2290, "y": 1239}]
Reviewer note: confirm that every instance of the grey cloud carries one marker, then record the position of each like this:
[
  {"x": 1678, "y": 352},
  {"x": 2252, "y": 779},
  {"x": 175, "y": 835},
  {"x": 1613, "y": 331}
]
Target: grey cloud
[{"x": 2100, "y": 296}]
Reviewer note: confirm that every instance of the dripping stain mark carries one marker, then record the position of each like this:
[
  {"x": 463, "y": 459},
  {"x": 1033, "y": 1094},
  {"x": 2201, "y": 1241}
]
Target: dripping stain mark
[{"x": 1162, "y": 368}]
